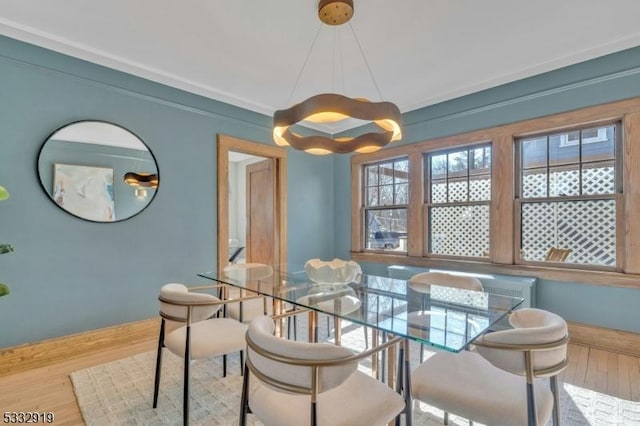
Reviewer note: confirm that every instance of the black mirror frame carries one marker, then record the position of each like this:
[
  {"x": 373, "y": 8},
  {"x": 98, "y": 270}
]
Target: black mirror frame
[{"x": 103, "y": 122}]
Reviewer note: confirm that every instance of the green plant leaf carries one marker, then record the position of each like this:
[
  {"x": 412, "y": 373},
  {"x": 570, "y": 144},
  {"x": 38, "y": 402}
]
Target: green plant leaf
[
  {"x": 6, "y": 248},
  {"x": 4, "y": 290},
  {"x": 4, "y": 194}
]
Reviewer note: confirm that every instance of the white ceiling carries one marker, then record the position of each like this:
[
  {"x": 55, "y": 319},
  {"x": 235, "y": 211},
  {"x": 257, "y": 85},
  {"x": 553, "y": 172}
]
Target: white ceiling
[
  {"x": 99, "y": 133},
  {"x": 250, "y": 52}
]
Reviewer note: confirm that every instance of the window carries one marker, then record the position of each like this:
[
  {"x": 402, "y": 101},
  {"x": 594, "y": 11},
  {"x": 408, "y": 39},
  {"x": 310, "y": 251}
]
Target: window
[
  {"x": 568, "y": 186},
  {"x": 516, "y": 199},
  {"x": 458, "y": 191},
  {"x": 588, "y": 136},
  {"x": 386, "y": 195}
]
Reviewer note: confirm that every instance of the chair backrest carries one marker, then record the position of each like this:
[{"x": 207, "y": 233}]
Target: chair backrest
[
  {"x": 557, "y": 254},
  {"x": 336, "y": 300},
  {"x": 180, "y": 293},
  {"x": 247, "y": 272},
  {"x": 274, "y": 360},
  {"x": 531, "y": 327},
  {"x": 423, "y": 281}
]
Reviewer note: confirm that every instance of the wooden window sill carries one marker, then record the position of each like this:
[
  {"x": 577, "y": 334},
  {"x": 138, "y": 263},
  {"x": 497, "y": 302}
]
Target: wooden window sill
[{"x": 603, "y": 278}]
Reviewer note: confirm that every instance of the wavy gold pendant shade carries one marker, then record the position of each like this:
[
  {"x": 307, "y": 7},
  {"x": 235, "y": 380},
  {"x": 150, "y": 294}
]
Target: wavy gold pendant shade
[
  {"x": 331, "y": 107},
  {"x": 384, "y": 114},
  {"x": 144, "y": 180}
]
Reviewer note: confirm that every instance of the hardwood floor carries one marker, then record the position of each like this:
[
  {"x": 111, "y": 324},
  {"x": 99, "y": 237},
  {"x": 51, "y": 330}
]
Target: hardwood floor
[
  {"x": 49, "y": 388},
  {"x": 605, "y": 372}
]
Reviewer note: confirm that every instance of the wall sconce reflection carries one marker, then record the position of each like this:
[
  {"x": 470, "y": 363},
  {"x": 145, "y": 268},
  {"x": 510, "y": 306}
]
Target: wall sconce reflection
[{"x": 141, "y": 193}]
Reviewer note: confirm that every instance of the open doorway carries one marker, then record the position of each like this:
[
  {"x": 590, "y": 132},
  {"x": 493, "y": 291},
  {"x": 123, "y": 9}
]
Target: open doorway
[{"x": 251, "y": 202}]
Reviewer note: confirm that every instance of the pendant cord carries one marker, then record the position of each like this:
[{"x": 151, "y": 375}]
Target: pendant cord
[
  {"x": 333, "y": 62},
  {"x": 341, "y": 62},
  {"x": 304, "y": 64},
  {"x": 365, "y": 61}
]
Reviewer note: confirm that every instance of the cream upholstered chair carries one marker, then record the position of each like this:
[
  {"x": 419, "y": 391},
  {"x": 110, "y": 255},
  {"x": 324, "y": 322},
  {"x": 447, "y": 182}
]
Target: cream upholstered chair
[
  {"x": 190, "y": 330},
  {"x": 423, "y": 281},
  {"x": 335, "y": 274},
  {"x": 341, "y": 300},
  {"x": 311, "y": 383},
  {"x": 247, "y": 310},
  {"x": 488, "y": 386}
]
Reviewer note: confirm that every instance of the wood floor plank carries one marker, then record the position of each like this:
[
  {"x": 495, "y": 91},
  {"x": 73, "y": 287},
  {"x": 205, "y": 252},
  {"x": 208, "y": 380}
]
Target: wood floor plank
[
  {"x": 568, "y": 375},
  {"x": 634, "y": 379},
  {"x": 600, "y": 383},
  {"x": 624, "y": 376},
  {"x": 582, "y": 366},
  {"x": 612, "y": 375},
  {"x": 590, "y": 374}
]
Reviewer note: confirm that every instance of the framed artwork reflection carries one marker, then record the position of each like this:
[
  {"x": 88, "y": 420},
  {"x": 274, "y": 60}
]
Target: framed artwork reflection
[{"x": 84, "y": 191}]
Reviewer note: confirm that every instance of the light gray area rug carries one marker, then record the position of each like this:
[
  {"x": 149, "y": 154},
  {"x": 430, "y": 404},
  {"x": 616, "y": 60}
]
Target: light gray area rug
[{"x": 121, "y": 393}]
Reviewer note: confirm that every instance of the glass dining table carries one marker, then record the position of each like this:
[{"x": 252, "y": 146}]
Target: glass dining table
[{"x": 446, "y": 318}]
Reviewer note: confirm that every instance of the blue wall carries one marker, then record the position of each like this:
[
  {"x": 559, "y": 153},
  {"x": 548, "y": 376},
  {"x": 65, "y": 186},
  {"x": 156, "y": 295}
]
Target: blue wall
[
  {"x": 68, "y": 275},
  {"x": 598, "y": 81}
]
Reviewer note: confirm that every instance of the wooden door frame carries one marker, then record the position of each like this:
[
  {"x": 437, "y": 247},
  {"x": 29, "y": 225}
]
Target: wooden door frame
[{"x": 229, "y": 143}]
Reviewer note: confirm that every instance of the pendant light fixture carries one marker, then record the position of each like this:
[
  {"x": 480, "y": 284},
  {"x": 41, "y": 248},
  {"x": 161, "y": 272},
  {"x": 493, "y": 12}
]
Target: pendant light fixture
[
  {"x": 143, "y": 180},
  {"x": 331, "y": 107}
]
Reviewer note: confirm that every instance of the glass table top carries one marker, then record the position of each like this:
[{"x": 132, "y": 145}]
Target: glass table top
[{"x": 446, "y": 317}]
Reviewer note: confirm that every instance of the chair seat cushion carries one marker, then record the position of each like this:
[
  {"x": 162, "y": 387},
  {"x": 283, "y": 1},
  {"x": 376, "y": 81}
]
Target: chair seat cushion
[
  {"x": 212, "y": 337},
  {"x": 468, "y": 385},
  {"x": 359, "y": 401}
]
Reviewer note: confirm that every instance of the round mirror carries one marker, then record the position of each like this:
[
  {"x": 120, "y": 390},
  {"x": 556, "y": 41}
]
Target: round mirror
[{"x": 98, "y": 171}]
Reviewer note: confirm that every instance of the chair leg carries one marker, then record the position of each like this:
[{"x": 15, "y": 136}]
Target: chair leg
[
  {"x": 314, "y": 416},
  {"x": 244, "y": 398},
  {"x": 187, "y": 363},
  {"x": 407, "y": 384},
  {"x": 295, "y": 328},
  {"x": 446, "y": 418},
  {"x": 241, "y": 362},
  {"x": 337, "y": 325},
  {"x": 328, "y": 326},
  {"x": 383, "y": 367},
  {"x": 400, "y": 381},
  {"x": 224, "y": 365},
  {"x": 553, "y": 381},
  {"x": 156, "y": 387},
  {"x": 531, "y": 406}
]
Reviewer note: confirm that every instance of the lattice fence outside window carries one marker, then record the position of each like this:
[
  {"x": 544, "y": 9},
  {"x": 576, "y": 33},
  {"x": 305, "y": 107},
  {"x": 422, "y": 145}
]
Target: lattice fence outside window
[
  {"x": 568, "y": 195},
  {"x": 459, "y": 188},
  {"x": 587, "y": 227},
  {"x": 460, "y": 230}
]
